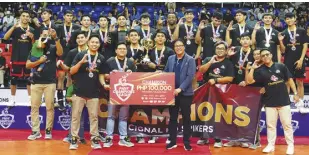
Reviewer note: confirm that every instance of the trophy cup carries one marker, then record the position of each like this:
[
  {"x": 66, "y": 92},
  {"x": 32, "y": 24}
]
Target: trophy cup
[{"x": 147, "y": 44}]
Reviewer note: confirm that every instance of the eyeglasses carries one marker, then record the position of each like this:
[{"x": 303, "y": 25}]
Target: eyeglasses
[
  {"x": 220, "y": 48},
  {"x": 179, "y": 46},
  {"x": 265, "y": 55}
]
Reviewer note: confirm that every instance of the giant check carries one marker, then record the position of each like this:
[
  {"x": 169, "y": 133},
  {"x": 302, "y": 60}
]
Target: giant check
[{"x": 138, "y": 88}]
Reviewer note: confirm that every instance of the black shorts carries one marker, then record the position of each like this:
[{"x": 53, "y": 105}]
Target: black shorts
[
  {"x": 297, "y": 73},
  {"x": 19, "y": 70}
]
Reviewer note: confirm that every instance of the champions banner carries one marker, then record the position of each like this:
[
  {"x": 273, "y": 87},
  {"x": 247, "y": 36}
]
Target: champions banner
[{"x": 222, "y": 111}]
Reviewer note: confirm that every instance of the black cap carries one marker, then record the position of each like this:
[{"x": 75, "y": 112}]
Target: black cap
[
  {"x": 145, "y": 15},
  {"x": 188, "y": 11},
  {"x": 289, "y": 15}
]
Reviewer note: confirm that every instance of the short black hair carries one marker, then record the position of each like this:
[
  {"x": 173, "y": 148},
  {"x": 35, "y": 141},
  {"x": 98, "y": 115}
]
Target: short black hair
[
  {"x": 172, "y": 13},
  {"x": 83, "y": 16},
  {"x": 81, "y": 32},
  {"x": 121, "y": 43},
  {"x": 160, "y": 31},
  {"x": 188, "y": 11},
  {"x": 179, "y": 39},
  {"x": 241, "y": 11},
  {"x": 47, "y": 10},
  {"x": 246, "y": 34},
  {"x": 221, "y": 42},
  {"x": 217, "y": 15},
  {"x": 289, "y": 15},
  {"x": 103, "y": 16},
  {"x": 121, "y": 15},
  {"x": 264, "y": 49},
  {"x": 268, "y": 14},
  {"x": 133, "y": 30},
  {"x": 94, "y": 36},
  {"x": 25, "y": 11},
  {"x": 68, "y": 12},
  {"x": 145, "y": 15}
]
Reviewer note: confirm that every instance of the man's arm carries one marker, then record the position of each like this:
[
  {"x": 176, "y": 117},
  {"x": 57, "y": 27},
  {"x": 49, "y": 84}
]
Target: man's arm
[
  {"x": 9, "y": 32},
  {"x": 30, "y": 64}
]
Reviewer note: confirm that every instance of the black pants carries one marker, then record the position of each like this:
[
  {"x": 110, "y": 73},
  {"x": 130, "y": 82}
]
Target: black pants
[{"x": 184, "y": 103}]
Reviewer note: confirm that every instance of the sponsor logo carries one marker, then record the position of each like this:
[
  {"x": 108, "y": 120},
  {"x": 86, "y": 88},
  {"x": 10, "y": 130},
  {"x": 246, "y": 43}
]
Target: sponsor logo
[
  {"x": 6, "y": 119},
  {"x": 65, "y": 120},
  {"x": 4, "y": 99},
  {"x": 29, "y": 120},
  {"x": 216, "y": 71},
  {"x": 274, "y": 78},
  {"x": 122, "y": 89}
]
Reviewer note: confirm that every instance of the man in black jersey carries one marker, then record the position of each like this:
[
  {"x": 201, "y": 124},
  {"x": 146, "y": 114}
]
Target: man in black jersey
[
  {"x": 119, "y": 35},
  {"x": 217, "y": 69},
  {"x": 293, "y": 43},
  {"x": 85, "y": 22},
  {"x": 65, "y": 31},
  {"x": 22, "y": 38},
  {"x": 187, "y": 31},
  {"x": 134, "y": 46},
  {"x": 275, "y": 77},
  {"x": 208, "y": 35},
  {"x": 267, "y": 37},
  {"x": 145, "y": 31},
  {"x": 46, "y": 23},
  {"x": 233, "y": 32},
  {"x": 170, "y": 28}
]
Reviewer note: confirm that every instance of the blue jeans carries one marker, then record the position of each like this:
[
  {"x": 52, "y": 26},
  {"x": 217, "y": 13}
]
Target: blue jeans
[
  {"x": 123, "y": 117},
  {"x": 81, "y": 132},
  {"x": 33, "y": 59}
]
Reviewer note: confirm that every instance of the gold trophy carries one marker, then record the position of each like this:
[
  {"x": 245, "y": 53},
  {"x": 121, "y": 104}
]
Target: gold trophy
[{"x": 147, "y": 44}]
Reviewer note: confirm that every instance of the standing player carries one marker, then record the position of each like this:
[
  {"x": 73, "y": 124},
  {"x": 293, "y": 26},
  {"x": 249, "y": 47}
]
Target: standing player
[
  {"x": 22, "y": 38},
  {"x": 211, "y": 34},
  {"x": 233, "y": 32},
  {"x": 267, "y": 37},
  {"x": 170, "y": 28},
  {"x": 187, "y": 31},
  {"x": 293, "y": 43}
]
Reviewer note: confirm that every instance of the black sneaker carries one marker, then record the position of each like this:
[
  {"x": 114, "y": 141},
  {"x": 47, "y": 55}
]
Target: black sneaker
[
  {"x": 48, "y": 134},
  {"x": 171, "y": 146},
  {"x": 73, "y": 145},
  {"x": 83, "y": 141},
  {"x": 95, "y": 143},
  {"x": 187, "y": 147}
]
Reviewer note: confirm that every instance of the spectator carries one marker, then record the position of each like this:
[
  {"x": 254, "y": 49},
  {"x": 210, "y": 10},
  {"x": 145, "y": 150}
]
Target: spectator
[
  {"x": 127, "y": 15},
  {"x": 80, "y": 14},
  {"x": 134, "y": 15},
  {"x": 259, "y": 9},
  {"x": 251, "y": 21},
  {"x": 115, "y": 12},
  {"x": 271, "y": 10},
  {"x": 170, "y": 5},
  {"x": 182, "y": 12},
  {"x": 301, "y": 23},
  {"x": 2, "y": 69},
  {"x": 9, "y": 19},
  {"x": 94, "y": 25},
  {"x": 260, "y": 14},
  {"x": 281, "y": 14},
  {"x": 4, "y": 27},
  {"x": 228, "y": 17},
  {"x": 278, "y": 24},
  {"x": 112, "y": 18}
]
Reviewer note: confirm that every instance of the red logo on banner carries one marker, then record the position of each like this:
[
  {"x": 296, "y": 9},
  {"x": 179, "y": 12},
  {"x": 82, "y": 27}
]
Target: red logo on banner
[{"x": 123, "y": 90}]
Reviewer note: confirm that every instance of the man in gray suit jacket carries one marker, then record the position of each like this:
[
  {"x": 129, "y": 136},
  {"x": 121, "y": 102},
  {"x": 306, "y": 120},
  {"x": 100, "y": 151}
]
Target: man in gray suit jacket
[{"x": 184, "y": 68}]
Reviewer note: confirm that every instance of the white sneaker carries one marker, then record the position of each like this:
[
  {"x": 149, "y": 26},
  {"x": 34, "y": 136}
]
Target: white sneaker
[
  {"x": 268, "y": 149},
  {"x": 244, "y": 145},
  {"x": 152, "y": 140},
  {"x": 2, "y": 86},
  {"x": 167, "y": 141},
  {"x": 140, "y": 140},
  {"x": 290, "y": 150},
  {"x": 231, "y": 144},
  {"x": 218, "y": 144}
]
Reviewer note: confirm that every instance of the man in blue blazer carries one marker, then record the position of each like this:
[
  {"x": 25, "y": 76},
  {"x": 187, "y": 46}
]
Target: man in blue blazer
[{"x": 184, "y": 68}]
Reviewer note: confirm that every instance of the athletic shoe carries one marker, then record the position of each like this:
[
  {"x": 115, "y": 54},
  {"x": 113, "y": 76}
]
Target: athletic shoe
[
  {"x": 73, "y": 145},
  {"x": 167, "y": 141},
  {"x": 171, "y": 146},
  {"x": 152, "y": 140},
  {"x": 187, "y": 147},
  {"x": 108, "y": 142},
  {"x": 125, "y": 142},
  {"x": 255, "y": 146},
  {"x": 34, "y": 135},
  {"x": 244, "y": 145},
  {"x": 95, "y": 143},
  {"x": 231, "y": 144},
  {"x": 268, "y": 149},
  {"x": 202, "y": 141},
  {"x": 83, "y": 141},
  {"x": 217, "y": 144},
  {"x": 140, "y": 140},
  {"x": 48, "y": 134},
  {"x": 67, "y": 140}
]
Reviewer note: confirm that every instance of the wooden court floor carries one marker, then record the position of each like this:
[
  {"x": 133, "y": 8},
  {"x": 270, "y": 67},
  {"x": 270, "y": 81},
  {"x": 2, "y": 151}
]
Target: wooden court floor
[{"x": 57, "y": 147}]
